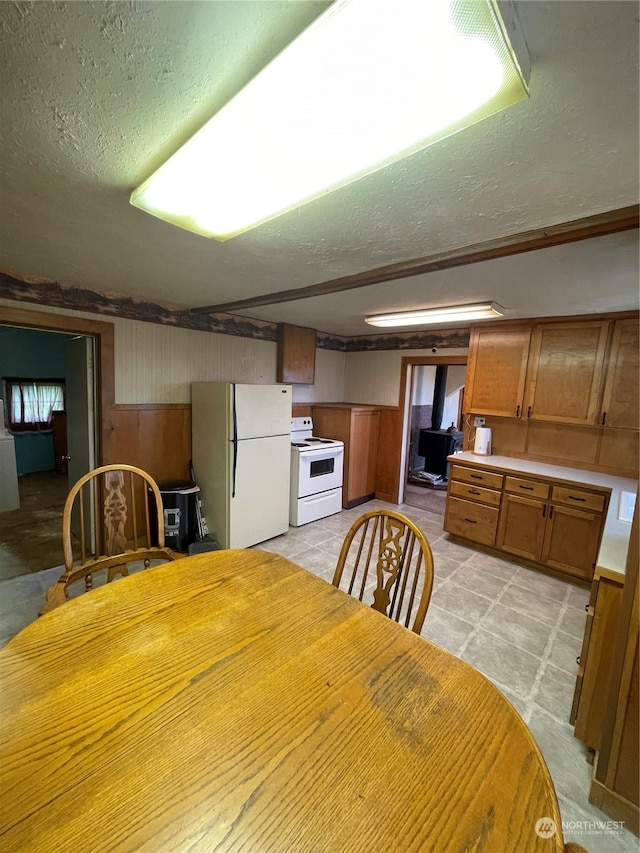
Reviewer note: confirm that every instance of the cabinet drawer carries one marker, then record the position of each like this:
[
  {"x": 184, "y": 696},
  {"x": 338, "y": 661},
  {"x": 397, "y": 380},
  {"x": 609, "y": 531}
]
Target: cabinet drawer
[
  {"x": 531, "y": 488},
  {"x": 577, "y": 498},
  {"x": 471, "y": 521},
  {"x": 477, "y": 477},
  {"x": 475, "y": 493}
]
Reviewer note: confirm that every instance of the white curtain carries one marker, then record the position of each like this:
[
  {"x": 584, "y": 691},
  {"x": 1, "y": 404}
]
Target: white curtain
[{"x": 33, "y": 403}]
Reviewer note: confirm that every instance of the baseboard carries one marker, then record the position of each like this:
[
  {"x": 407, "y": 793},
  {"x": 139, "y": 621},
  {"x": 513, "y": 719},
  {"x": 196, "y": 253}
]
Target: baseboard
[
  {"x": 617, "y": 807},
  {"x": 357, "y": 501}
]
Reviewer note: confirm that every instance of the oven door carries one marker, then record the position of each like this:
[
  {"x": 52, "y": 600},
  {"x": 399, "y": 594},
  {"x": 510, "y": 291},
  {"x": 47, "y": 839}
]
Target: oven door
[{"x": 319, "y": 470}]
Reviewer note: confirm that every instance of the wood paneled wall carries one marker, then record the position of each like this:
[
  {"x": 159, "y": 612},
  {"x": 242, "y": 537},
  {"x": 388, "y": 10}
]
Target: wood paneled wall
[{"x": 156, "y": 438}]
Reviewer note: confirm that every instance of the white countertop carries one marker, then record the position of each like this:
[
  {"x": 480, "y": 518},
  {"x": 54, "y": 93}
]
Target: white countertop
[{"x": 615, "y": 537}]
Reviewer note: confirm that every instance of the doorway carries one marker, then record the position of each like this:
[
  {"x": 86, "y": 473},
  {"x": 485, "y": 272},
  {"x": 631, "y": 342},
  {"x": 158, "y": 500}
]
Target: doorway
[
  {"x": 433, "y": 428},
  {"x": 52, "y": 457}
]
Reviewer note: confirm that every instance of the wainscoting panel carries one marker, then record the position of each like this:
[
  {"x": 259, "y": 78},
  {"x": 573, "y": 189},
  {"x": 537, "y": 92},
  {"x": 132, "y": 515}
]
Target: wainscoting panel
[{"x": 156, "y": 438}]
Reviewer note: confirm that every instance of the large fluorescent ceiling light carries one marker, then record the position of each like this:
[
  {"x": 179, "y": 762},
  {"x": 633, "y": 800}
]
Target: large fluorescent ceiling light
[
  {"x": 368, "y": 83},
  {"x": 454, "y": 314}
]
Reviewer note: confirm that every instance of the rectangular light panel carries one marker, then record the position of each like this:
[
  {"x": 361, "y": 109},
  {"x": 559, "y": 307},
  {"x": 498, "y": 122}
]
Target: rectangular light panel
[
  {"x": 368, "y": 83},
  {"x": 454, "y": 313}
]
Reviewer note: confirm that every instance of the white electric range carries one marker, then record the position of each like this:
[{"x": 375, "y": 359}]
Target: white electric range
[{"x": 316, "y": 474}]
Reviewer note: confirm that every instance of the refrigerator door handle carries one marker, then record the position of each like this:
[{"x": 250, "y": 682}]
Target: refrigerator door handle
[{"x": 234, "y": 415}]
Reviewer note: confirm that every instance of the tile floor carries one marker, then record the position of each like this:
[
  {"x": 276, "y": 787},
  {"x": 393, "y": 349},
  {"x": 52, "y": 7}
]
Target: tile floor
[{"x": 522, "y": 629}]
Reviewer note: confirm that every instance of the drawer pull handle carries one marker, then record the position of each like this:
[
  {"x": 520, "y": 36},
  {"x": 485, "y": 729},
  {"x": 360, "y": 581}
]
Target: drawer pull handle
[
  {"x": 573, "y": 498},
  {"x": 586, "y": 607},
  {"x": 476, "y": 476},
  {"x": 471, "y": 520},
  {"x": 517, "y": 411},
  {"x": 474, "y": 492},
  {"x": 578, "y": 660},
  {"x": 544, "y": 510},
  {"x": 528, "y": 488},
  {"x": 529, "y": 412},
  {"x": 604, "y": 418},
  {"x": 551, "y": 511}
]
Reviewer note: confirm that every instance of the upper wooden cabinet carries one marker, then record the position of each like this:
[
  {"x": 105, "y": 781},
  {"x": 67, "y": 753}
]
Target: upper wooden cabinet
[
  {"x": 578, "y": 372},
  {"x": 620, "y": 399},
  {"x": 564, "y": 375},
  {"x": 296, "y": 354},
  {"x": 497, "y": 370}
]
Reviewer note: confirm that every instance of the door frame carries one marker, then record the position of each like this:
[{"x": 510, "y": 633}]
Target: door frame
[
  {"x": 103, "y": 333},
  {"x": 406, "y": 379}
]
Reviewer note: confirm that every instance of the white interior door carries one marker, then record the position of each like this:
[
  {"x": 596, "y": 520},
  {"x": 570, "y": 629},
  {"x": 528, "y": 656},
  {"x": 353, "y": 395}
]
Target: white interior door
[{"x": 80, "y": 404}]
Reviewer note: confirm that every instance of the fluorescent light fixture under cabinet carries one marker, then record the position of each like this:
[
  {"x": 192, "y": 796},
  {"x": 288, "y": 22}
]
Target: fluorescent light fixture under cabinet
[
  {"x": 368, "y": 83},
  {"x": 454, "y": 314}
]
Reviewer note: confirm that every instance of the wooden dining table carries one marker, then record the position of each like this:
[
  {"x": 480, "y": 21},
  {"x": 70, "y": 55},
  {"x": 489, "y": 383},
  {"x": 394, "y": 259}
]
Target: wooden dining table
[{"x": 232, "y": 701}]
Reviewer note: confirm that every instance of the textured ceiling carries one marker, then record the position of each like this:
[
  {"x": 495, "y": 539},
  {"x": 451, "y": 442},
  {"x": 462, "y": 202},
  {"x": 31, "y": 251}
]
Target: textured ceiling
[{"x": 95, "y": 95}]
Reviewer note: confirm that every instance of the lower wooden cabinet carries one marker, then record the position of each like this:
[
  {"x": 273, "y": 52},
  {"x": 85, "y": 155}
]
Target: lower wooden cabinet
[
  {"x": 555, "y": 525},
  {"x": 596, "y": 657},
  {"x": 358, "y": 427},
  {"x": 607, "y": 697}
]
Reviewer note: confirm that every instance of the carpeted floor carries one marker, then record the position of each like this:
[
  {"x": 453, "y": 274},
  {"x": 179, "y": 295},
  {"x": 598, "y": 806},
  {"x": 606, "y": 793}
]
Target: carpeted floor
[{"x": 31, "y": 537}]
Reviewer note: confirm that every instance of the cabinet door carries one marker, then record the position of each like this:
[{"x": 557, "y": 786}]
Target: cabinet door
[
  {"x": 363, "y": 455},
  {"x": 596, "y": 659},
  {"x": 521, "y": 527},
  {"x": 296, "y": 363},
  {"x": 497, "y": 370},
  {"x": 571, "y": 540},
  {"x": 620, "y": 400},
  {"x": 565, "y": 373}
]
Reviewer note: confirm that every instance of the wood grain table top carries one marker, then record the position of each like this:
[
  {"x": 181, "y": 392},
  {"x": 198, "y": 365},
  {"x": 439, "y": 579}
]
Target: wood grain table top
[{"x": 232, "y": 701}]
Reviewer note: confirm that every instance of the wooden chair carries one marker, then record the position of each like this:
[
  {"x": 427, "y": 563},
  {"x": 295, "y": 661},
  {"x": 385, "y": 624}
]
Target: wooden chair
[
  {"x": 386, "y": 557},
  {"x": 115, "y": 524}
]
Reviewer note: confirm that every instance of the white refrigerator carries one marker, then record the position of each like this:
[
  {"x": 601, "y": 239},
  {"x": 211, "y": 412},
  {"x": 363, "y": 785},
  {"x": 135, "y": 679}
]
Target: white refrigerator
[{"x": 241, "y": 453}]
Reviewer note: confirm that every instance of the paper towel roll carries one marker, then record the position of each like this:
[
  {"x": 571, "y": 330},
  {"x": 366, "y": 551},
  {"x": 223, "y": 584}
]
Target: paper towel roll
[{"x": 482, "y": 446}]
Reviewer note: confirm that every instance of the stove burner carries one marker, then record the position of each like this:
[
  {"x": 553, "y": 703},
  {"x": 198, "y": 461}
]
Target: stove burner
[
  {"x": 299, "y": 444},
  {"x": 320, "y": 440}
]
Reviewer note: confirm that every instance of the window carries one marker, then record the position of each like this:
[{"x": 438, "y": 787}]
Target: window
[{"x": 31, "y": 402}]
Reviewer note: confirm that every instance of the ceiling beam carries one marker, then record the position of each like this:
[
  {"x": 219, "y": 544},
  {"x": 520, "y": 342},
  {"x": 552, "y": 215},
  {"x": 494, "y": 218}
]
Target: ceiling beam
[{"x": 611, "y": 222}]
